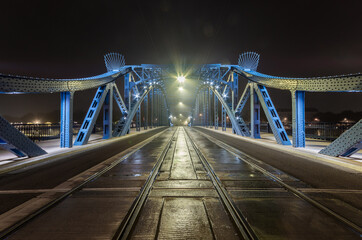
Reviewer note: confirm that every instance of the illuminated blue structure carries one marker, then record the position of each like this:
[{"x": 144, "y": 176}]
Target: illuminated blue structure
[{"x": 217, "y": 101}]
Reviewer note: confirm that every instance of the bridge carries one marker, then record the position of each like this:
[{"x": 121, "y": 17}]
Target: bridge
[{"x": 192, "y": 167}]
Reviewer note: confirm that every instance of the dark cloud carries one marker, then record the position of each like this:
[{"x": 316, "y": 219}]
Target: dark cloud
[{"x": 68, "y": 39}]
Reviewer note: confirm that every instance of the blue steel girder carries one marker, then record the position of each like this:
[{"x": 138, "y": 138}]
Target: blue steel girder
[
  {"x": 338, "y": 83},
  {"x": 238, "y": 125},
  {"x": 216, "y": 112},
  {"x": 273, "y": 118},
  {"x": 298, "y": 119},
  {"x": 123, "y": 125},
  {"x": 119, "y": 100},
  {"x": 66, "y": 119},
  {"x": 243, "y": 99},
  {"x": 22, "y": 84},
  {"x": 254, "y": 112},
  {"x": 17, "y": 143},
  {"x": 127, "y": 123},
  {"x": 347, "y": 144},
  {"x": 108, "y": 113},
  {"x": 92, "y": 114}
]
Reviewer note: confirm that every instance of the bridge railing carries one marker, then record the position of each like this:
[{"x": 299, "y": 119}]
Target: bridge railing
[
  {"x": 41, "y": 132},
  {"x": 316, "y": 130}
]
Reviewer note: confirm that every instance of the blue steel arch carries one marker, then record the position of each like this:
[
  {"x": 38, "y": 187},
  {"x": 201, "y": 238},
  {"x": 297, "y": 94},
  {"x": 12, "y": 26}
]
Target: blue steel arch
[
  {"x": 229, "y": 111},
  {"x": 135, "y": 107}
]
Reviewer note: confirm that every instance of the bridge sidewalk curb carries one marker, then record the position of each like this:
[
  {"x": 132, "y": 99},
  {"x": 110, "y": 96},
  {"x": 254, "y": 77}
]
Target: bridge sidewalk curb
[
  {"x": 23, "y": 163},
  {"x": 342, "y": 164}
]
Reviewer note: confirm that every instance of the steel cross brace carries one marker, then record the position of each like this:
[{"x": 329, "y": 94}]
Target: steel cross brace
[
  {"x": 14, "y": 141},
  {"x": 273, "y": 118},
  {"x": 92, "y": 114}
]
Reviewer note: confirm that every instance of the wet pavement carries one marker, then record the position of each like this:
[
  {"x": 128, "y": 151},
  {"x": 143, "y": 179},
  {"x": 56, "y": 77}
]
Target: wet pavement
[
  {"x": 183, "y": 202},
  {"x": 271, "y": 210},
  {"x": 96, "y": 211}
]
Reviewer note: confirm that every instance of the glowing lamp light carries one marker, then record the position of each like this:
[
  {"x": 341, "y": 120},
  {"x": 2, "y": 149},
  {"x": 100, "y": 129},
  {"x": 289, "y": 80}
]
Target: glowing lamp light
[
  {"x": 181, "y": 79},
  {"x": 224, "y": 95},
  {"x": 180, "y": 103}
]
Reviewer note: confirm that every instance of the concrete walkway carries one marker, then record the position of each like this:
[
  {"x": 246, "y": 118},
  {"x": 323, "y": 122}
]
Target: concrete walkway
[
  {"x": 313, "y": 146},
  {"x": 52, "y": 148}
]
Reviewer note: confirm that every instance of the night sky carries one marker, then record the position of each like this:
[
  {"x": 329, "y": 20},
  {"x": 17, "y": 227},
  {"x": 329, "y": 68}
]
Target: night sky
[{"x": 63, "y": 39}]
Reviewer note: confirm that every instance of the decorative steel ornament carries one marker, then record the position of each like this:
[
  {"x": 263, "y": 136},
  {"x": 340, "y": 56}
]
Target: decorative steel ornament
[
  {"x": 114, "y": 61},
  {"x": 249, "y": 61}
]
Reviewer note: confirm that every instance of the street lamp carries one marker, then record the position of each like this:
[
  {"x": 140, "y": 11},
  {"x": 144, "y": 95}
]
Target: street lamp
[{"x": 181, "y": 79}]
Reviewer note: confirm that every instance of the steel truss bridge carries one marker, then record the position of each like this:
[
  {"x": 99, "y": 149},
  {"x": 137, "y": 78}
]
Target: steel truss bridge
[{"x": 144, "y": 87}]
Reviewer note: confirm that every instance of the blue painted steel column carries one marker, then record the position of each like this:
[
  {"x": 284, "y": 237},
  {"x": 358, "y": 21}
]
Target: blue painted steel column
[
  {"x": 234, "y": 89},
  {"x": 138, "y": 119},
  {"x": 152, "y": 98},
  {"x": 66, "y": 119},
  {"x": 128, "y": 92},
  {"x": 145, "y": 112},
  {"x": 298, "y": 107},
  {"x": 223, "y": 118},
  {"x": 216, "y": 112},
  {"x": 254, "y": 112},
  {"x": 108, "y": 115},
  {"x": 207, "y": 99}
]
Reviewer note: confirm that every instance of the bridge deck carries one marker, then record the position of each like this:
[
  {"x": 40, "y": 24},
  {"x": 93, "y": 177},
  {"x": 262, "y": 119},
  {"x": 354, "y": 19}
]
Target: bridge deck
[{"x": 177, "y": 185}]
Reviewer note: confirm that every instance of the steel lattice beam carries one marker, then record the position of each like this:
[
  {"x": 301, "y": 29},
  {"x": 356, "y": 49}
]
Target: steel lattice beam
[
  {"x": 347, "y": 144},
  {"x": 16, "y": 142}
]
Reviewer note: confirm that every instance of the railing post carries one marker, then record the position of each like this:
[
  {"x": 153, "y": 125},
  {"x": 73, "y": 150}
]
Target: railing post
[{"x": 66, "y": 119}]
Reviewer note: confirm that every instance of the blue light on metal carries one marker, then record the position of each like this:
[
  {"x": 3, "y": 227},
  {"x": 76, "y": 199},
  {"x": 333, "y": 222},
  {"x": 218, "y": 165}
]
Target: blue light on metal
[
  {"x": 347, "y": 144},
  {"x": 220, "y": 79},
  {"x": 108, "y": 113},
  {"x": 254, "y": 112},
  {"x": 298, "y": 112},
  {"x": 92, "y": 114},
  {"x": 273, "y": 118},
  {"x": 66, "y": 119},
  {"x": 249, "y": 61},
  {"x": 114, "y": 61},
  {"x": 16, "y": 142}
]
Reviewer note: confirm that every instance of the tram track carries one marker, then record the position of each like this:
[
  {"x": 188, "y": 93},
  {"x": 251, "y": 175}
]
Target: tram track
[
  {"x": 239, "y": 220},
  {"x": 125, "y": 230},
  {"x": 297, "y": 192},
  {"x": 66, "y": 193},
  {"x": 128, "y": 223}
]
